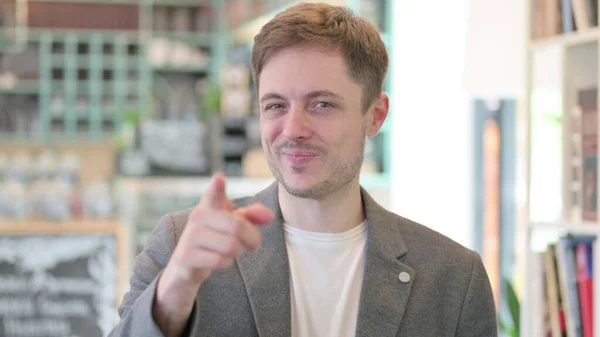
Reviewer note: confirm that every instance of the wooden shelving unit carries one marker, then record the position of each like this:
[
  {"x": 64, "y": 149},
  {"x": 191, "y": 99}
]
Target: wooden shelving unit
[
  {"x": 115, "y": 2},
  {"x": 106, "y": 66},
  {"x": 558, "y": 69},
  {"x": 70, "y": 227},
  {"x": 568, "y": 39},
  {"x": 582, "y": 227},
  {"x": 71, "y": 53},
  {"x": 75, "y": 52}
]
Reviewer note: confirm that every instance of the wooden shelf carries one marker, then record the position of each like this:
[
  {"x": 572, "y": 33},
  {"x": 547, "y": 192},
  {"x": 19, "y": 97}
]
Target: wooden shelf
[
  {"x": 184, "y": 3},
  {"x": 580, "y": 228},
  {"x": 70, "y": 227},
  {"x": 180, "y": 3},
  {"x": 22, "y": 87},
  {"x": 95, "y": 2},
  {"x": 569, "y": 39},
  {"x": 184, "y": 69},
  {"x": 108, "y": 61},
  {"x": 131, "y": 36},
  {"x": 198, "y": 39},
  {"x": 53, "y": 137},
  {"x": 97, "y": 156}
]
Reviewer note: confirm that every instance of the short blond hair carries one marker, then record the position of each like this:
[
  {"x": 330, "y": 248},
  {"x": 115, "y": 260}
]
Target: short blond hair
[{"x": 331, "y": 28}]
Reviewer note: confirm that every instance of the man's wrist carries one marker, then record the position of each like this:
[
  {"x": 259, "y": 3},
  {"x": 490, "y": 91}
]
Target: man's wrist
[{"x": 173, "y": 305}]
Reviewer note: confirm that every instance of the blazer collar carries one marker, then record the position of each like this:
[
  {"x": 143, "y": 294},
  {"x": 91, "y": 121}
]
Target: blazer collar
[
  {"x": 383, "y": 297},
  {"x": 266, "y": 273}
]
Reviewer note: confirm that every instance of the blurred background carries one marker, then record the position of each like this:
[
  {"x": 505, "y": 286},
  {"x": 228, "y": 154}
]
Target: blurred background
[{"x": 115, "y": 112}]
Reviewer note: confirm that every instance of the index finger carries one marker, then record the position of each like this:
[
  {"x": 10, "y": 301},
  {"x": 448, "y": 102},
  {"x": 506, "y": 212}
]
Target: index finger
[{"x": 215, "y": 196}]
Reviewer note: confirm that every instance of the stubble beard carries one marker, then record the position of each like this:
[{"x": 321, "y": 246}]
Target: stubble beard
[{"x": 343, "y": 171}]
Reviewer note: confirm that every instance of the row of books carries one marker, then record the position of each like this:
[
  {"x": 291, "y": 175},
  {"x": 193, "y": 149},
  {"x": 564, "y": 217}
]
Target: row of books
[
  {"x": 553, "y": 17},
  {"x": 583, "y": 142},
  {"x": 83, "y": 16},
  {"x": 562, "y": 299},
  {"x": 182, "y": 19},
  {"x": 241, "y": 11}
]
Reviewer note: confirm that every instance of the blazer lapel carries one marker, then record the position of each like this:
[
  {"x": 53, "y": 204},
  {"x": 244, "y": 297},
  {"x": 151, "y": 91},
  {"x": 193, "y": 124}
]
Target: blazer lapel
[
  {"x": 387, "y": 282},
  {"x": 383, "y": 297},
  {"x": 266, "y": 273}
]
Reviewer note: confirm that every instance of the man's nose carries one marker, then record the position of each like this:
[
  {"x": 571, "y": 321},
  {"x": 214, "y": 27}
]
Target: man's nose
[{"x": 297, "y": 124}]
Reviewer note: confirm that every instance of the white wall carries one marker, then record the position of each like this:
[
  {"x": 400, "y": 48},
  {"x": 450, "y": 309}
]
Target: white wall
[
  {"x": 432, "y": 161},
  {"x": 496, "y": 47}
]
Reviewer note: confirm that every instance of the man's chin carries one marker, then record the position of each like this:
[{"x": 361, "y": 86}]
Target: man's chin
[
  {"x": 303, "y": 189},
  {"x": 301, "y": 192},
  {"x": 300, "y": 184}
]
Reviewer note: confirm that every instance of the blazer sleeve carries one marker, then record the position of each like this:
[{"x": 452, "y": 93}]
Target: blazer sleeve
[
  {"x": 135, "y": 312},
  {"x": 478, "y": 314}
]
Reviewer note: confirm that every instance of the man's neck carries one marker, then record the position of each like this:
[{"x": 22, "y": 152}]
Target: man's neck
[{"x": 336, "y": 213}]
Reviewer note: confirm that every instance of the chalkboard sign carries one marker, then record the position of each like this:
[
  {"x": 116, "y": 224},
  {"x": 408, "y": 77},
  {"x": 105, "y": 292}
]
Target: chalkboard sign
[{"x": 58, "y": 285}]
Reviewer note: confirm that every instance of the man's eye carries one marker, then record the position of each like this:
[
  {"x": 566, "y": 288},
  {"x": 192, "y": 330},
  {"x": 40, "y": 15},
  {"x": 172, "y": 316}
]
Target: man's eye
[
  {"x": 274, "y": 106},
  {"x": 323, "y": 105}
]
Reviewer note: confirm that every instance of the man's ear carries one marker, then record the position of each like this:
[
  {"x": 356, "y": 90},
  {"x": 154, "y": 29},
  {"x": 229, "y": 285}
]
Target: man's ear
[{"x": 378, "y": 112}]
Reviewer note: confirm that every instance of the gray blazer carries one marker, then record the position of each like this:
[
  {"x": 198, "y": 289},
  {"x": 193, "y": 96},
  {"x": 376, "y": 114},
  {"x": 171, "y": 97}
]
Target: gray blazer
[{"x": 448, "y": 292}]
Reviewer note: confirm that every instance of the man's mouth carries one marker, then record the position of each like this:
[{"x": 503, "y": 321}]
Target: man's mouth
[{"x": 297, "y": 158}]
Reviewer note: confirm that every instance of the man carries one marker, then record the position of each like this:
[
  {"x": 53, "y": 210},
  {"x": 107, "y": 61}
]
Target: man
[{"x": 314, "y": 254}]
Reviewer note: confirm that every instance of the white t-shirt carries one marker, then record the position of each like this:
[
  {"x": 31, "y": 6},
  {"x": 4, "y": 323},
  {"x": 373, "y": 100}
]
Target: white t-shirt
[{"x": 326, "y": 273}]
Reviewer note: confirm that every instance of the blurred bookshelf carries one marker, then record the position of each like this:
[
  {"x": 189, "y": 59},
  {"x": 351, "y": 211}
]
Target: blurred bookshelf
[
  {"x": 71, "y": 227},
  {"x": 162, "y": 86},
  {"x": 579, "y": 227},
  {"x": 560, "y": 294},
  {"x": 568, "y": 39}
]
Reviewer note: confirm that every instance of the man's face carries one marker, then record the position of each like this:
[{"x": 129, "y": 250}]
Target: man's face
[{"x": 312, "y": 127}]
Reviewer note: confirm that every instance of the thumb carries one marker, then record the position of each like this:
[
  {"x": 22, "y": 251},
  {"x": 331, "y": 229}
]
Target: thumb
[{"x": 214, "y": 197}]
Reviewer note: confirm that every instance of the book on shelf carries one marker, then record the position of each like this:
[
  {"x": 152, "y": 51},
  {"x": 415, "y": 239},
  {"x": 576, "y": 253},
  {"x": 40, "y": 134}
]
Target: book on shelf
[
  {"x": 587, "y": 101},
  {"x": 554, "y": 17},
  {"x": 585, "y": 13},
  {"x": 583, "y": 257},
  {"x": 575, "y": 162},
  {"x": 553, "y": 299},
  {"x": 540, "y": 321},
  {"x": 562, "y": 286},
  {"x": 565, "y": 258},
  {"x": 567, "y": 17}
]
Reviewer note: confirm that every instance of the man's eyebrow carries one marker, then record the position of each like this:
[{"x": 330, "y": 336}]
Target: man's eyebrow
[
  {"x": 324, "y": 93},
  {"x": 271, "y": 95},
  {"x": 312, "y": 94}
]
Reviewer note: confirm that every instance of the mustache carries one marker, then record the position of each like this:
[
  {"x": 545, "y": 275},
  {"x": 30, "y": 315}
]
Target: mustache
[{"x": 290, "y": 145}]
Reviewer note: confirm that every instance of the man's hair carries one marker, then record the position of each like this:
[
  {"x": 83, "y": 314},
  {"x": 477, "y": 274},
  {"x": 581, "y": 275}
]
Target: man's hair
[{"x": 326, "y": 27}]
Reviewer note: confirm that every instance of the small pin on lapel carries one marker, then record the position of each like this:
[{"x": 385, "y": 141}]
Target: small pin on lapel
[{"x": 404, "y": 277}]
